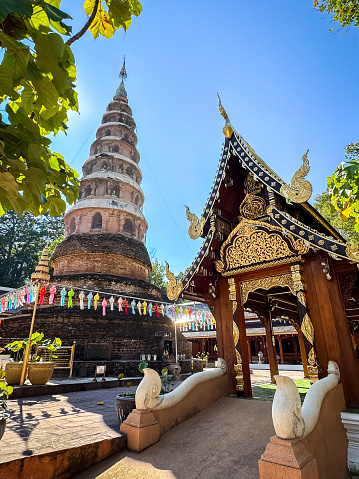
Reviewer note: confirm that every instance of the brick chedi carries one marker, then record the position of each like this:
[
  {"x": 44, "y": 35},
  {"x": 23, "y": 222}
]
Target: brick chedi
[{"x": 105, "y": 229}]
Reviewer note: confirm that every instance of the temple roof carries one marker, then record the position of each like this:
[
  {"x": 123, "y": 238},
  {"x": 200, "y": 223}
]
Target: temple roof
[{"x": 248, "y": 195}]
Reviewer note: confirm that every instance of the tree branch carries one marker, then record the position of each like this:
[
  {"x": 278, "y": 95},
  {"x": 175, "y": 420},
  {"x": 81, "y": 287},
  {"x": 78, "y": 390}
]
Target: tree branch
[{"x": 83, "y": 30}]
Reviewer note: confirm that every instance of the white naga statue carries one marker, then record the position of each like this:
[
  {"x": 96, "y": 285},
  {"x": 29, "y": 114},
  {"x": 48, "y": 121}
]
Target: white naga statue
[
  {"x": 289, "y": 418},
  {"x": 148, "y": 392}
]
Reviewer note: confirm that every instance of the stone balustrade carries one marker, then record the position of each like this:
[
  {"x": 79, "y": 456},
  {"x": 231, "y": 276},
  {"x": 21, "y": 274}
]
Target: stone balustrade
[{"x": 156, "y": 414}]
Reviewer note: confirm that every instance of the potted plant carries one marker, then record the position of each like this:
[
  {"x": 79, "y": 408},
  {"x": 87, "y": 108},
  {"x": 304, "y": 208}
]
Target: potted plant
[
  {"x": 5, "y": 392},
  {"x": 41, "y": 368},
  {"x": 125, "y": 402},
  {"x": 204, "y": 358},
  {"x": 166, "y": 380},
  {"x": 13, "y": 368}
]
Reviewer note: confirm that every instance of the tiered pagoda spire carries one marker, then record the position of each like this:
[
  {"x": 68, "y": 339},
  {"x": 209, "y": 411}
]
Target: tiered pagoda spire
[
  {"x": 111, "y": 198},
  {"x": 105, "y": 229}
]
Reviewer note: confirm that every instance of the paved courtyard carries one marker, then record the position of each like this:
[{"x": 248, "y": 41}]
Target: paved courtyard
[{"x": 45, "y": 424}]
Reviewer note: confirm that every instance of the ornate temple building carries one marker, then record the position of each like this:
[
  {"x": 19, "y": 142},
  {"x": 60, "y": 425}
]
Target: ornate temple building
[
  {"x": 266, "y": 250},
  {"x": 99, "y": 296}
]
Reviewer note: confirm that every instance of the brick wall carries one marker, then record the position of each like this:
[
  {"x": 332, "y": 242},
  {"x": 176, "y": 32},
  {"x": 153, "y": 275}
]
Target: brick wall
[{"x": 126, "y": 337}]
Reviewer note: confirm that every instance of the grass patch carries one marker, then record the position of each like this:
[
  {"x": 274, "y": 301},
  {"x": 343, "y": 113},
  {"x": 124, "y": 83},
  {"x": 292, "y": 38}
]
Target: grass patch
[{"x": 302, "y": 384}]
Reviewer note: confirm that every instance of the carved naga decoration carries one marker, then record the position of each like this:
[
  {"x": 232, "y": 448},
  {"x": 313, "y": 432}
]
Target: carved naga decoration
[
  {"x": 292, "y": 421},
  {"x": 174, "y": 288},
  {"x": 195, "y": 229},
  {"x": 353, "y": 252},
  {"x": 300, "y": 190},
  {"x": 228, "y": 128},
  {"x": 148, "y": 392}
]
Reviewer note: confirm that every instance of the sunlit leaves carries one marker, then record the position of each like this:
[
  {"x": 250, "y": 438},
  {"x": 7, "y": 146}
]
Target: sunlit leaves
[
  {"x": 21, "y": 7},
  {"x": 37, "y": 75},
  {"x": 344, "y": 185},
  {"x": 117, "y": 16},
  {"x": 346, "y": 12},
  {"x": 101, "y": 25}
]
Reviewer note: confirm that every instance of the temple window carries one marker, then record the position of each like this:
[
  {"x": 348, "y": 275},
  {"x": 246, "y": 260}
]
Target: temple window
[
  {"x": 136, "y": 200},
  {"x": 88, "y": 191},
  {"x": 97, "y": 221},
  {"x": 116, "y": 191},
  {"x": 108, "y": 132},
  {"x": 129, "y": 171},
  {"x": 104, "y": 166},
  {"x": 72, "y": 226},
  {"x": 128, "y": 226},
  {"x": 115, "y": 149}
]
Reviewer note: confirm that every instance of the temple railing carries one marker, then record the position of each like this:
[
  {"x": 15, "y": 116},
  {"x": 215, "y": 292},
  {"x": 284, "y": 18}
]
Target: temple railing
[
  {"x": 155, "y": 414},
  {"x": 310, "y": 440}
]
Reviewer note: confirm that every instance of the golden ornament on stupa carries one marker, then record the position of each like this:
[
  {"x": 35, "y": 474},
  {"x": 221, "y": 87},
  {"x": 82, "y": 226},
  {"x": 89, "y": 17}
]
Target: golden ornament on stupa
[{"x": 41, "y": 273}]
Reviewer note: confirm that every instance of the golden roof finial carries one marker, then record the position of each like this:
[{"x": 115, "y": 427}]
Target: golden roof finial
[
  {"x": 228, "y": 128},
  {"x": 42, "y": 269}
]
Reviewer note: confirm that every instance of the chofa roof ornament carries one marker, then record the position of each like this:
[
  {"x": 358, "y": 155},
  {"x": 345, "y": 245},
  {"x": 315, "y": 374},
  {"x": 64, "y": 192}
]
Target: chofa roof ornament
[
  {"x": 174, "y": 288},
  {"x": 228, "y": 128},
  {"x": 195, "y": 229},
  {"x": 300, "y": 190}
]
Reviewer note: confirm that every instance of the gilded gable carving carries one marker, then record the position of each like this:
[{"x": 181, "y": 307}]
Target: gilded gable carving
[{"x": 253, "y": 244}]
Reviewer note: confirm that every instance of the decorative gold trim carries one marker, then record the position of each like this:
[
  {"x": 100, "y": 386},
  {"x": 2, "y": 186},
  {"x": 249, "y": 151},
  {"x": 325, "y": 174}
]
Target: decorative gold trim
[
  {"x": 312, "y": 357},
  {"x": 238, "y": 368},
  {"x": 195, "y": 229},
  {"x": 253, "y": 242},
  {"x": 297, "y": 277},
  {"x": 308, "y": 328},
  {"x": 300, "y": 190},
  {"x": 259, "y": 266},
  {"x": 228, "y": 128},
  {"x": 353, "y": 252},
  {"x": 174, "y": 288},
  {"x": 301, "y": 298},
  {"x": 252, "y": 207},
  {"x": 283, "y": 280}
]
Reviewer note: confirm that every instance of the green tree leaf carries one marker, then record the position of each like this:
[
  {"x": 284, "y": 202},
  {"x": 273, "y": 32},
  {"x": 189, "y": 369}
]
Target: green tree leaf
[{"x": 21, "y": 7}]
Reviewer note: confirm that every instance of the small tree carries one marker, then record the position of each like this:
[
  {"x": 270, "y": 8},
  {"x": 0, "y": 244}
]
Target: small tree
[{"x": 21, "y": 243}]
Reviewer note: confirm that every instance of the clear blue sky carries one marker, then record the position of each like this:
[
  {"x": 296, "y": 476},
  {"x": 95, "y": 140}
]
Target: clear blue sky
[{"x": 286, "y": 81}]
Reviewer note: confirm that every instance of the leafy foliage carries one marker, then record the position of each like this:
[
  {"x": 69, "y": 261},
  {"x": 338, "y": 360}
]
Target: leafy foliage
[
  {"x": 344, "y": 185},
  {"x": 21, "y": 243},
  {"x": 37, "y": 89},
  {"x": 157, "y": 276},
  {"x": 5, "y": 392},
  {"x": 325, "y": 207},
  {"x": 346, "y": 12}
]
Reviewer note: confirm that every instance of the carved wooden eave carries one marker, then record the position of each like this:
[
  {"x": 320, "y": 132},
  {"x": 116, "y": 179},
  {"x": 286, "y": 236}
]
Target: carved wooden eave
[
  {"x": 174, "y": 289},
  {"x": 255, "y": 245},
  {"x": 336, "y": 249},
  {"x": 261, "y": 171}
]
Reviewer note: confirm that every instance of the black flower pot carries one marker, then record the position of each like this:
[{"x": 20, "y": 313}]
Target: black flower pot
[{"x": 124, "y": 406}]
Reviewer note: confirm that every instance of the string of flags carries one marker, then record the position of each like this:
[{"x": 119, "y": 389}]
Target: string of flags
[{"x": 27, "y": 295}]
